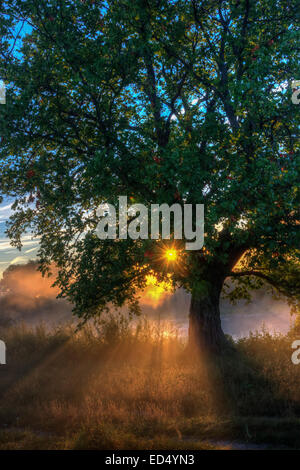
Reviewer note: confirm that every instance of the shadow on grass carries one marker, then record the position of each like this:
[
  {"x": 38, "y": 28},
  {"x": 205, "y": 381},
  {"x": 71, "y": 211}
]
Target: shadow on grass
[
  {"x": 260, "y": 397},
  {"x": 61, "y": 390}
]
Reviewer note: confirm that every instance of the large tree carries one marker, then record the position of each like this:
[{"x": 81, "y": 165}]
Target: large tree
[{"x": 163, "y": 101}]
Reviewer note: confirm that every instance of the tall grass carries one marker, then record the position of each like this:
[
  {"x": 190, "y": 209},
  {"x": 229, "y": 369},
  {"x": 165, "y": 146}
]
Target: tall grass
[{"x": 115, "y": 385}]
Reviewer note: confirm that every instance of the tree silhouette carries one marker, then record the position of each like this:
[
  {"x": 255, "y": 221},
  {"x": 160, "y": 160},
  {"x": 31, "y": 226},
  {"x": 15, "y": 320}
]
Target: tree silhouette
[{"x": 162, "y": 101}]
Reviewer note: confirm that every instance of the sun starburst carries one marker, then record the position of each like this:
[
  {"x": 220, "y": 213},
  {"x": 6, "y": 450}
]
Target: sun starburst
[{"x": 171, "y": 255}]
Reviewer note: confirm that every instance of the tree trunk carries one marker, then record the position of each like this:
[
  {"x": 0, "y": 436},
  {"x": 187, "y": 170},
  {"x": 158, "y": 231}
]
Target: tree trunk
[{"x": 205, "y": 331}]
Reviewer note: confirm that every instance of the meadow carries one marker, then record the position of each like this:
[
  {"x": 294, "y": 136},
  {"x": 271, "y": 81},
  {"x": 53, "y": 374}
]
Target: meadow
[{"x": 118, "y": 385}]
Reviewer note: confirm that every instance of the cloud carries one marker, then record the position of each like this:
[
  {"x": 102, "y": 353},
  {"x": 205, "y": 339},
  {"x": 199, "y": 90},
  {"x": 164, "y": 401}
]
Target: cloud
[
  {"x": 28, "y": 297},
  {"x": 5, "y": 211},
  {"x": 19, "y": 260},
  {"x": 3, "y": 208},
  {"x": 9, "y": 254},
  {"x": 5, "y": 243},
  {"x": 31, "y": 250}
]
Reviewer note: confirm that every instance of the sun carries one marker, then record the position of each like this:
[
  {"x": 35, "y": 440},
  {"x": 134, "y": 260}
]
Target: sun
[{"x": 171, "y": 255}]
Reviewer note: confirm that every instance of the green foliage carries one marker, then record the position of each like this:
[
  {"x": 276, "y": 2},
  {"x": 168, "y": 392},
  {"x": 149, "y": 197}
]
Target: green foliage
[{"x": 161, "y": 101}]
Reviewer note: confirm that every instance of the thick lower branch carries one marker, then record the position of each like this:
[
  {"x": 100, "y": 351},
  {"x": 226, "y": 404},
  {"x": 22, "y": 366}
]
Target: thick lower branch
[{"x": 265, "y": 277}]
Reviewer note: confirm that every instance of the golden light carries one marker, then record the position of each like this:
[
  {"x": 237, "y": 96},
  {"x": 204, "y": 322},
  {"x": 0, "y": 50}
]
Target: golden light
[
  {"x": 171, "y": 255},
  {"x": 155, "y": 292}
]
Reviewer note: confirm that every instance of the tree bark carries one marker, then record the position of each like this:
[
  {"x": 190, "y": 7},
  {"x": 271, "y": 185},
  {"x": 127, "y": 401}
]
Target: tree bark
[{"x": 205, "y": 330}]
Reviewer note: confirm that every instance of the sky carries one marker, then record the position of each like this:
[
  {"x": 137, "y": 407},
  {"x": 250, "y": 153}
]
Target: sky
[{"x": 8, "y": 254}]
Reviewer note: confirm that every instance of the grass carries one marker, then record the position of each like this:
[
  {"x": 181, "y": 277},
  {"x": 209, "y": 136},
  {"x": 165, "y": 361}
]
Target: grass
[{"x": 120, "y": 386}]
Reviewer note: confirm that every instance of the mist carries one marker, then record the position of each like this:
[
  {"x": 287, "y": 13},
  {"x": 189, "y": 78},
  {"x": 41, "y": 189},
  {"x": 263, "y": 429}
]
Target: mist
[{"x": 25, "y": 296}]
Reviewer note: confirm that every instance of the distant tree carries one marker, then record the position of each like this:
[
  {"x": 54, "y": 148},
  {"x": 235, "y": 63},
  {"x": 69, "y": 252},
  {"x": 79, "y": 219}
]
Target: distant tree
[{"x": 164, "y": 101}]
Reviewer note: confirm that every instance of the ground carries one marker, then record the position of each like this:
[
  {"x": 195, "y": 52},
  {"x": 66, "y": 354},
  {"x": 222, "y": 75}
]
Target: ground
[{"x": 124, "y": 387}]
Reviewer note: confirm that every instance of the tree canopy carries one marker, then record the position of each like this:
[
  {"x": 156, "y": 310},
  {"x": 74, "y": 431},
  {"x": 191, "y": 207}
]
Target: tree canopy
[{"x": 163, "y": 101}]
